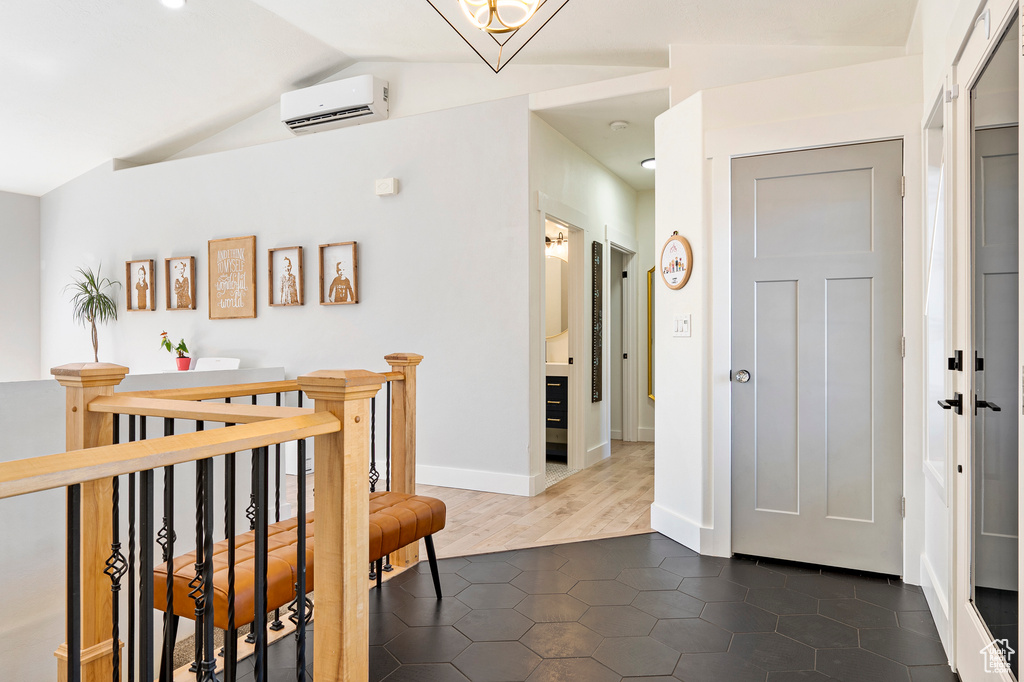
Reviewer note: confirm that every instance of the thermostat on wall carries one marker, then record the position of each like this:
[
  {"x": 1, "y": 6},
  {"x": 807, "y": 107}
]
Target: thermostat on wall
[{"x": 387, "y": 186}]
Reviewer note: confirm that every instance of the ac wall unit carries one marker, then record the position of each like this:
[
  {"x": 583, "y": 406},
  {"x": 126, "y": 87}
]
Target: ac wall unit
[{"x": 336, "y": 104}]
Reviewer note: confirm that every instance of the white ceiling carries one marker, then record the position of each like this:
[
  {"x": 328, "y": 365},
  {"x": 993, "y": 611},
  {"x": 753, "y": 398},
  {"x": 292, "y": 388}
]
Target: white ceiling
[{"x": 92, "y": 80}]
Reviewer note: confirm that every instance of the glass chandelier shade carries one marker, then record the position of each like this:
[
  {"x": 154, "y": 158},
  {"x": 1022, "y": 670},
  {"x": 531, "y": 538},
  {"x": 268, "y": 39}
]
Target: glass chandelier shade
[{"x": 499, "y": 16}]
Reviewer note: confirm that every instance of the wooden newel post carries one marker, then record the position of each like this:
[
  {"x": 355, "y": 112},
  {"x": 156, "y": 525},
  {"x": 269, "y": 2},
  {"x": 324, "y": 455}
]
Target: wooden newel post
[
  {"x": 341, "y": 638},
  {"x": 403, "y": 439},
  {"x": 85, "y": 429}
]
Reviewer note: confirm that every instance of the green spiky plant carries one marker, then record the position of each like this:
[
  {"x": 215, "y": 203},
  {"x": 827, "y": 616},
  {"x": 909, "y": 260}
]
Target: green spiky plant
[{"x": 91, "y": 302}]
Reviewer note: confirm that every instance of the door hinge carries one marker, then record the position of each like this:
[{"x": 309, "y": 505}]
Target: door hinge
[
  {"x": 625, "y": 356},
  {"x": 903, "y": 346},
  {"x": 953, "y": 93},
  {"x": 903, "y": 507},
  {"x": 570, "y": 361},
  {"x": 903, "y": 186},
  {"x": 625, "y": 274}
]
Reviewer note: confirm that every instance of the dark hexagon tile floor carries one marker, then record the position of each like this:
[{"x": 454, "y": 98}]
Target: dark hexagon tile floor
[{"x": 640, "y": 608}]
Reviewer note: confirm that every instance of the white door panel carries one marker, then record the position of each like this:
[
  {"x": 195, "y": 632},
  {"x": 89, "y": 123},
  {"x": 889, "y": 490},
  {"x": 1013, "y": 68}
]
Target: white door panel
[{"x": 817, "y": 320}]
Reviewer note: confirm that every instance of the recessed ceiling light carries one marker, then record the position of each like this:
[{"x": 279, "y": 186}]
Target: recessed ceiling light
[
  {"x": 173, "y": 4},
  {"x": 648, "y": 164}
]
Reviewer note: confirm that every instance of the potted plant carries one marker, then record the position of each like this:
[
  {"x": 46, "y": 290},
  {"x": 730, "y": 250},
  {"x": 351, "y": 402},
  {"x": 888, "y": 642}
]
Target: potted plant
[
  {"x": 91, "y": 302},
  {"x": 180, "y": 348}
]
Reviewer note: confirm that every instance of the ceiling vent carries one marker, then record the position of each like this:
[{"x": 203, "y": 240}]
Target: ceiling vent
[{"x": 335, "y": 105}]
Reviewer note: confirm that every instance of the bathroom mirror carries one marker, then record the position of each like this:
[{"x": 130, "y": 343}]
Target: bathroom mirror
[{"x": 557, "y": 300}]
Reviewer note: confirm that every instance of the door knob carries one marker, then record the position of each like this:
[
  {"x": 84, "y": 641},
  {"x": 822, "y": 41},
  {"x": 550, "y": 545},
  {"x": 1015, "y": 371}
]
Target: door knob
[
  {"x": 741, "y": 377},
  {"x": 956, "y": 403},
  {"x": 986, "y": 403}
]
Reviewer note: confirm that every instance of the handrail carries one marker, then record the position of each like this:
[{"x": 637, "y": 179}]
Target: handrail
[
  {"x": 122, "y": 403},
  {"x": 215, "y": 392},
  {"x": 36, "y": 474},
  {"x": 231, "y": 390}
]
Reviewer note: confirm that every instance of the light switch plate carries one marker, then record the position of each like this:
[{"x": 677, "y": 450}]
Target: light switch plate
[{"x": 681, "y": 326}]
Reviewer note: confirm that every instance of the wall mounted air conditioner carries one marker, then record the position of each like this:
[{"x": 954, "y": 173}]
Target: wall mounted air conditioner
[{"x": 336, "y": 104}]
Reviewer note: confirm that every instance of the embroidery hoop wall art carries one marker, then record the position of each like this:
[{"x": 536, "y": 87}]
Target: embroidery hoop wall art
[{"x": 676, "y": 262}]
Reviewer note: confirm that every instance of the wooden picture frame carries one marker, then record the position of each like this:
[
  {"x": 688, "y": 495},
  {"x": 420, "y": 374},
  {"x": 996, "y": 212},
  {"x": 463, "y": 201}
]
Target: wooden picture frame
[
  {"x": 339, "y": 284},
  {"x": 180, "y": 275},
  {"x": 285, "y": 281},
  {"x": 232, "y": 278},
  {"x": 676, "y": 262},
  {"x": 140, "y": 284}
]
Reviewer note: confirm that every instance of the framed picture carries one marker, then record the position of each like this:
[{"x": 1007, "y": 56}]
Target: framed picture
[
  {"x": 286, "y": 275},
  {"x": 141, "y": 286},
  {"x": 180, "y": 275},
  {"x": 232, "y": 278},
  {"x": 676, "y": 262},
  {"x": 339, "y": 274}
]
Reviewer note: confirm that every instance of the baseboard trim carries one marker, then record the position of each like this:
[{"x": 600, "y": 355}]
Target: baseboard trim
[
  {"x": 677, "y": 527},
  {"x": 938, "y": 604},
  {"x": 616, "y": 434},
  {"x": 484, "y": 481},
  {"x": 646, "y": 434},
  {"x": 596, "y": 454}
]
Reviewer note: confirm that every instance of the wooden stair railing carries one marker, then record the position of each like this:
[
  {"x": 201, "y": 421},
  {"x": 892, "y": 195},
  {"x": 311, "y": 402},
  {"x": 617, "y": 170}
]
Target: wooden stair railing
[{"x": 339, "y": 423}]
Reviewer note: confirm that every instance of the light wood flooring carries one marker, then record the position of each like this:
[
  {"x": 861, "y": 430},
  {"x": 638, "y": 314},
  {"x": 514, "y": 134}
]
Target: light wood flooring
[{"x": 612, "y": 497}]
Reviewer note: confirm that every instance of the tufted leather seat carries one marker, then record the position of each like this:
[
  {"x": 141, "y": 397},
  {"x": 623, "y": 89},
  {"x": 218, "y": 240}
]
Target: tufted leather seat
[{"x": 396, "y": 520}]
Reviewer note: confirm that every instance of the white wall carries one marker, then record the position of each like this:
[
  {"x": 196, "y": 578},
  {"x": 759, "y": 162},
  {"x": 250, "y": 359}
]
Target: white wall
[
  {"x": 695, "y": 143},
  {"x": 420, "y": 88},
  {"x": 442, "y": 267},
  {"x": 575, "y": 188},
  {"x": 19, "y": 280},
  {"x": 645, "y": 261}
]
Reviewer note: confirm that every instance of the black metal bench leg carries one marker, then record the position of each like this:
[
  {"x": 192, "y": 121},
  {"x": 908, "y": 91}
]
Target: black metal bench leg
[
  {"x": 170, "y": 634},
  {"x": 432, "y": 558},
  {"x": 380, "y": 569}
]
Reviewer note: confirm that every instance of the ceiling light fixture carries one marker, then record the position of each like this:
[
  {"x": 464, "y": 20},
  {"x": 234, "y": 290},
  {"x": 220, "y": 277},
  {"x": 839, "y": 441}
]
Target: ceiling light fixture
[
  {"x": 499, "y": 16},
  {"x": 497, "y": 29},
  {"x": 559, "y": 248},
  {"x": 616, "y": 126},
  {"x": 173, "y": 4},
  {"x": 648, "y": 163}
]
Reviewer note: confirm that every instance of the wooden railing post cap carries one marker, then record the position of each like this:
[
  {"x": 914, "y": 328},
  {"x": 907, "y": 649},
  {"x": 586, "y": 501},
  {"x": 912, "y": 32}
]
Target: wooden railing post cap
[
  {"x": 403, "y": 359},
  {"x": 334, "y": 384},
  {"x": 86, "y": 374}
]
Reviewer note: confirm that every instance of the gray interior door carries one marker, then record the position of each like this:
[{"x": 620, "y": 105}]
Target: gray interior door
[
  {"x": 817, "y": 323},
  {"x": 995, "y": 339}
]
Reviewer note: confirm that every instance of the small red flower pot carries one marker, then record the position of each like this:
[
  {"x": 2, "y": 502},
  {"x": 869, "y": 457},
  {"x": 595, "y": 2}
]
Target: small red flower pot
[{"x": 183, "y": 363}]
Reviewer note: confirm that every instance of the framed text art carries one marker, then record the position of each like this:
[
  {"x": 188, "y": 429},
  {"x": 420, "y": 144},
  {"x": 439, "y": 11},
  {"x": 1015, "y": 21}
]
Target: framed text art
[
  {"x": 180, "y": 275},
  {"x": 285, "y": 275},
  {"x": 676, "y": 262},
  {"x": 339, "y": 274},
  {"x": 141, "y": 287},
  {"x": 232, "y": 278}
]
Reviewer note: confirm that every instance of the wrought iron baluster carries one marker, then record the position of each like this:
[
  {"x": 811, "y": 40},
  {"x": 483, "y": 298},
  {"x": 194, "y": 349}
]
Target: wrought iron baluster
[
  {"x": 146, "y": 541},
  {"x": 302, "y": 608},
  {"x": 250, "y": 514},
  {"x": 131, "y": 560},
  {"x": 386, "y": 566},
  {"x": 116, "y": 565},
  {"x": 209, "y": 665},
  {"x": 277, "y": 624},
  {"x": 166, "y": 539},
  {"x": 230, "y": 650},
  {"x": 374, "y": 474},
  {"x": 259, "y": 625},
  {"x": 74, "y": 583}
]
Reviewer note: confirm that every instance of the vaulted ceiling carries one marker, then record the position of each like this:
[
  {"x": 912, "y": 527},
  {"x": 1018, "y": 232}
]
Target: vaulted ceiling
[{"x": 87, "y": 81}]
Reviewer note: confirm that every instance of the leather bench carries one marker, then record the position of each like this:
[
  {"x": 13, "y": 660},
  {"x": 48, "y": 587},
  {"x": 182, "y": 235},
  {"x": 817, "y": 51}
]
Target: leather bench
[{"x": 396, "y": 520}]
